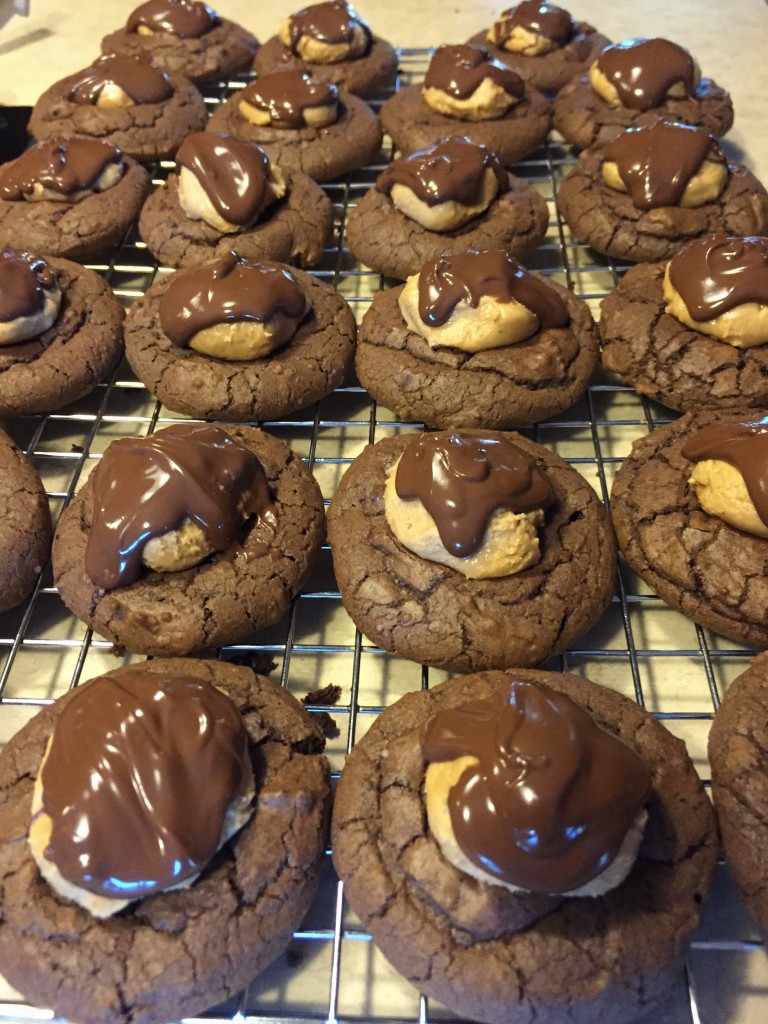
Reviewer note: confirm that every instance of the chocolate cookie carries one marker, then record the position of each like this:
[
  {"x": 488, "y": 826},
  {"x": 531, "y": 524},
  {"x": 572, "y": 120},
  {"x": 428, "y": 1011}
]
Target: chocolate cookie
[
  {"x": 78, "y": 351},
  {"x": 25, "y": 525},
  {"x": 507, "y": 958},
  {"x": 369, "y": 75},
  {"x": 322, "y": 153},
  {"x": 737, "y": 743},
  {"x": 225, "y": 598},
  {"x": 429, "y": 613},
  {"x": 498, "y": 388},
  {"x": 609, "y": 221},
  {"x": 175, "y": 953},
  {"x": 710, "y": 571},
  {"x": 314, "y": 362},
  {"x": 671, "y": 362},
  {"x": 413, "y": 125}
]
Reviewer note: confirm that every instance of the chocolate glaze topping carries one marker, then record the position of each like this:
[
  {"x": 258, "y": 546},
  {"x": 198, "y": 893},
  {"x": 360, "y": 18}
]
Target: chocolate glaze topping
[
  {"x": 642, "y": 71},
  {"x": 743, "y": 445},
  {"x": 24, "y": 280},
  {"x": 62, "y": 165},
  {"x": 187, "y": 19},
  {"x": 542, "y": 19},
  {"x": 463, "y": 479},
  {"x": 553, "y": 794},
  {"x": 147, "y": 486},
  {"x": 230, "y": 289},
  {"x": 136, "y": 76},
  {"x": 140, "y": 773},
  {"x": 332, "y": 22},
  {"x": 285, "y": 95},
  {"x": 657, "y": 161},
  {"x": 233, "y": 173},
  {"x": 459, "y": 70},
  {"x": 451, "y": 169},
  {"x": 716, "y": 274},
  {"x": 468, "y": 276}
]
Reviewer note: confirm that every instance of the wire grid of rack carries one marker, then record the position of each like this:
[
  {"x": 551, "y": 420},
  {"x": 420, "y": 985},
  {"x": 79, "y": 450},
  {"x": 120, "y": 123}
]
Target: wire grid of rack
[{"x": 331, "y": 971}]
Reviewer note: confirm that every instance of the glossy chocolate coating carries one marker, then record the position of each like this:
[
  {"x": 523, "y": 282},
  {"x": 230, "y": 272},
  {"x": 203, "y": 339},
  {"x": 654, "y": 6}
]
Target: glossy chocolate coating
[
  {"x": 462, "y": 479},
  {"x": 329, "y": 23},
  {"x": 451, "y": 169},
  {"x": 468, "y": 276},
  {"x": 145, "y": 487},
  {"x": 62, "y": 165},
  {"x": 743, "y": 445},
  {"x": 459, "y": 70},
  {"x": 186, "y": 19},
  {"x": 233, "y": 173},
  {"x": 140, "y": 773},
  {"x": 136, "y": 76},
  {"x": 642, "y": 71},
  {"x": 657, "y": 161},
  {"x": 24, "y": 280},
  {"x": 553, "y": 794},
  {"x": 541, "y": 19},
  {"x": 715, "y": 274},
  {"x": 228, "y": 290},
  {"x": 285, "y": 95}
]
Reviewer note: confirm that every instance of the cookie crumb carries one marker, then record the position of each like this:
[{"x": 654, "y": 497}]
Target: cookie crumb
[
  {"x": 326, "y": 697},
  {"x": 260, "y": 662},
  {"x": 326, "y": 723}
]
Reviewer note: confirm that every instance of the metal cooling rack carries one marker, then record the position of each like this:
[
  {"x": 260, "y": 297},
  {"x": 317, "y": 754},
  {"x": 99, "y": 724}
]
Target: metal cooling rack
[{"x": 331, "y": 971}]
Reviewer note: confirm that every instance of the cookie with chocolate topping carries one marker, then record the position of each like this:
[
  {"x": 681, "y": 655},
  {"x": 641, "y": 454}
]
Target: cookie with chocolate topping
[
  {"x": 240, "y": 340},
  {"x": 25, "y": 521},
  {"x": 184, "y": 741},
  {"x": 450, "y": 197},
  {"x": 475, "y": 340},
  {"x": 219, "y": 550},
  {"x": 539, "y": 577},
  {"x": 303, "y": 124},
  {"x": 656, "y": 187},
  {"x": 333, "y": 43},
  {"x": 185, "y": 37},
  {"x": 633, "y": 80},
  {"x": 125, "y": 101},
  {"x": 559, "y": 742}
]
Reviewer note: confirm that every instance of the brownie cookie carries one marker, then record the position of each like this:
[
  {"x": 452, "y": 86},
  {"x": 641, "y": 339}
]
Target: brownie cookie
[
  {"x": 508, "y": 958},
  {"x": 433, "y": 614},
  {"x": 69, "y": 358},
  {"x": 737, "y": 743},
  {"x": 184, "y": 37},
  {"x": 152, "y": 127},
  {"x": 174, "y": 953},
  {"x": 366, "y": 76},
  {"x": 52, "y": 201},
  {"x": 249, "y": 584},
  {"x": 710, "y": 571},
  {"x": 25, "y": 525},
  {"x": 315, "y": 360},
  {"x": 496, "y": 388}
]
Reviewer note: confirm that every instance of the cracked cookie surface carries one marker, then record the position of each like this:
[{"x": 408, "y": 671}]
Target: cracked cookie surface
[
  {"x": 506, "y": 958},
  {"x": 432, "y": 614},
  {"x": 364, "y": 76},
  {"x": 25, "y": 524},
  {"x": 176, "y": 953}
]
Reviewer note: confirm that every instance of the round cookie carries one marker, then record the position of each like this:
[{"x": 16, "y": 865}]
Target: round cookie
[
  {"x": 175, "y": 953},
  {"x": 219, "y": 601},
  {"x": 669, "y": 361},
  {"x": 77, "y": 352},
  {"x": 314, "y": 362},
  {"x": 369, "y": 75},
  {"x": 608, "y": 220},
  {"x": 737, "y": 743},
  {"x": 498, "y": 388},
  {"x": 432, "y": 614},
  {"x": 708, "y": 570},
  {"x": 506, "y": 958},
  {"x": 322, "y": 153},
  {"x": 25, "y": 525},
  {"x": 414, "y": 125}
]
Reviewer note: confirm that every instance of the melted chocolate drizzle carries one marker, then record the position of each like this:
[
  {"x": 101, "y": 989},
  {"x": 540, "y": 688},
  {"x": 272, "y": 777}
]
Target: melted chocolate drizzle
[
  {"x": 136, "y": 76},
  {"x": 743, "y": 445},
  {"x": 331, "y": 23},
  {"x": 62, "y": 165},
  {"x": 642, "y": 71},
  {"x": 185, "y": 19},
  {"x": 24, "y": 280},
  {"x": 451, "y": 169},
  {"x": 285, "y": 95},
  {"x": 233, "y": 173},
  {"x": 459, "y": 70},
  {"x": 716, "y": 274},
  {"x": 542, "y": 19}
]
